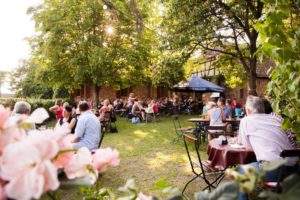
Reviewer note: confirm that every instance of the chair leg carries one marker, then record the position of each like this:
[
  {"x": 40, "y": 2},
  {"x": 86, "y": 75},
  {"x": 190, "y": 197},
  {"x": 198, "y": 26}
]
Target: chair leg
[{"x": 189, "y": 183}]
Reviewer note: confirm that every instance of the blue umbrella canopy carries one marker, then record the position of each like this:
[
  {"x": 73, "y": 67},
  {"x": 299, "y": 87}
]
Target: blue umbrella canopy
[{"x": 197, "y": 84}]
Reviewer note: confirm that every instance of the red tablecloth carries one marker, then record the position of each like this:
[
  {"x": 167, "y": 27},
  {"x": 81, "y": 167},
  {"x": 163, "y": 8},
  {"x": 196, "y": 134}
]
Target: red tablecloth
[{"x": 224, "y": 156}]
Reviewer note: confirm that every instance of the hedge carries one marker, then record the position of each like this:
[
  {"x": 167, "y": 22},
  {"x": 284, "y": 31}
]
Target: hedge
[{"x": 35, "y": 103}]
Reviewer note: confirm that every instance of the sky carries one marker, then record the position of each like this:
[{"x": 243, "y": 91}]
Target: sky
[{"x": 15, "y": 25}]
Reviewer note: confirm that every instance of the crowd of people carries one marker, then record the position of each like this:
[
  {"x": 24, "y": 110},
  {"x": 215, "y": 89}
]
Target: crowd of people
[{"x": 259, "y": 130}]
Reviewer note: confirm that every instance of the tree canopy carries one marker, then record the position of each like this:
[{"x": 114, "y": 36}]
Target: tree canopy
[
  {"x": 226, "y": 27},
  {"x": 94, "y": 42},
  {"x": 24, "y": 82},
  {"x": 280, "y": 40}
]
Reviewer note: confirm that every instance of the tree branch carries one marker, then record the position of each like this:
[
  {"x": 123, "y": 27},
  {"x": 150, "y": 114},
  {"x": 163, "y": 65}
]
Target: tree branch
[
  {"x": 236, "y": 18},
  {"x": 237, "y": 48}
]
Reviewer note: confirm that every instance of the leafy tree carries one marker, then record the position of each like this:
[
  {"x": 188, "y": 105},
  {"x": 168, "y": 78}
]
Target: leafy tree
[
  {"x": 24, "y": 83},
  {"x": 226, "y": 27},
  {"x": 280, "y": 39},
  {"x": 89, "y": 42}
]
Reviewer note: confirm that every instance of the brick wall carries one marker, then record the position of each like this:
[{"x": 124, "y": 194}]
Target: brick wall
[
  {"x": 142, "y": 91},
  {"x": 107, "y": 92},
  {"x": 241, "y": 93}
]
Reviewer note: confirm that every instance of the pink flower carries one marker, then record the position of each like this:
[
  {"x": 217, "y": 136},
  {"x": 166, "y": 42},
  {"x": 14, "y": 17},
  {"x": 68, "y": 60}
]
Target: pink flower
[
  {"x": 10, "y": 135},
  {"x": 141, "y": 196},
  {"x": 27, "y": 168},
  {"x": 2, "y": 192},
  {"x": 80, "y": 164},
  {"x": 45, "y": 143},
  {"x": 64, "y": 156},
  {"x": 4, "y": 116},
  {"x": 102, "y": 158}
]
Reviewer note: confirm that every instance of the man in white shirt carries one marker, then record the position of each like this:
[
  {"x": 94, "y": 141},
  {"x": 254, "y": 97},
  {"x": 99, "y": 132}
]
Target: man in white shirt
[
  {"x": 262, "y": 133},
  {"x": 88, "y": 129},
  {"x": 21, "y": 111}
]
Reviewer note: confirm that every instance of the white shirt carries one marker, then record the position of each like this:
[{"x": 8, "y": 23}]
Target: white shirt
[
  {"x": 16, "y": 118},
  {"x": 262, "y": 133},
  {"x": 88, "y": 130}
]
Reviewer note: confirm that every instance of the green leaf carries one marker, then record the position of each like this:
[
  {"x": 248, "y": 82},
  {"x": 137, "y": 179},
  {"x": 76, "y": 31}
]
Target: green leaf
[
  {"x": 274, "y": 164},
  {"x": 225, "y": 191}
]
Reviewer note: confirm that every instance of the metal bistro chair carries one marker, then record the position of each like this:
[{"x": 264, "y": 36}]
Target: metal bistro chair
[
  {"x": 180, "y": 130},
  {"x": 150, "y": 115},
  {"x": 219, "y": 130},
  {"x": 285, "y": 170},
  {"x": 204, "y": 165}
]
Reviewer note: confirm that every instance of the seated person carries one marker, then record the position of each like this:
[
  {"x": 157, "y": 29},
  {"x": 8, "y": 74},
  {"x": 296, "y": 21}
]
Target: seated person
[
  {"x": 262, "y": 133},
  {"x": 137, "y": 109},
  {"x": 67, "y": 120},
  {"x": 227, "y": 109},
  {"x": 105, "y": 108},
  {"x": 154, "y": 106},
  {"x": 215, "y": 116},
  {"x": 87, "y": 131},
  {"x": 21, "y": 111}
]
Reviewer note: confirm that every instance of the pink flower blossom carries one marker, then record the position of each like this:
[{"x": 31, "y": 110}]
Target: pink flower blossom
[
  {"x": 27, "y": 168},
  {"x": 102, "y": 158},
  {"x": 141, "y": 196},
  {"x": 2, "y": 192},
  {"x": 45, "y": 143},
  {"x": 10, "y": 135},
  {"x": 65, "y": 144},
  {"x": 80, "y": 164},
  {"x": 4, "y": 115}
]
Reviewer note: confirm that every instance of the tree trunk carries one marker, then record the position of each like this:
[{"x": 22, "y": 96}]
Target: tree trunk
[
  {"x": 96, "y": 95},
  {"x": 252, "y": 79}
]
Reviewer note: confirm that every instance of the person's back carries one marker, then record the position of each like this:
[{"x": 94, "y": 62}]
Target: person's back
[
  {"x": 136, "y": 107},
  {"x": 88, "y": 130},
  {"x": 215, "y": 116},
  {"x": 262, "y": 133},
  {"x": 227, "y": 109}
]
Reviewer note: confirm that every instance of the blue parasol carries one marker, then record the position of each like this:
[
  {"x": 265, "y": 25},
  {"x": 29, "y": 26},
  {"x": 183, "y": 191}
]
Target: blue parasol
[{"x": 197, "y": 84}]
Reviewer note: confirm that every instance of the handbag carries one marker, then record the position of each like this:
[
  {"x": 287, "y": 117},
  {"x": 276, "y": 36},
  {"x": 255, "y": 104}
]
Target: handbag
[
  {"x": 135, "y": 120},
  {"x": 113, "y": 129}
]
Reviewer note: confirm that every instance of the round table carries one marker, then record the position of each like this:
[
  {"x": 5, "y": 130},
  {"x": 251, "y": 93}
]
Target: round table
[{"x": 224, "y": 156}]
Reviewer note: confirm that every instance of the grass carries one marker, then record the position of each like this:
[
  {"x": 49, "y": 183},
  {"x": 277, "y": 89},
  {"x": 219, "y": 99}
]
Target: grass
[{"x": 148, "y": 155}]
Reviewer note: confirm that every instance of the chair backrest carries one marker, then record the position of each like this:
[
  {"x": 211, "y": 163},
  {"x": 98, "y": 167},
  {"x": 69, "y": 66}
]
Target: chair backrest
[
  {"x": 290, "y": 153},
  {"x": 195, "y": 142},
  {"x": 218, "y": 128},
  {"x": 176, "y": 123}
]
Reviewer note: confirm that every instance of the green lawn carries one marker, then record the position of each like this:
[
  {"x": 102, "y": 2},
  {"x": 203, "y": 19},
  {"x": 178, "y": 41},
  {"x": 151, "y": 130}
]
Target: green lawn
[{"x": 148, "y": 155}]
